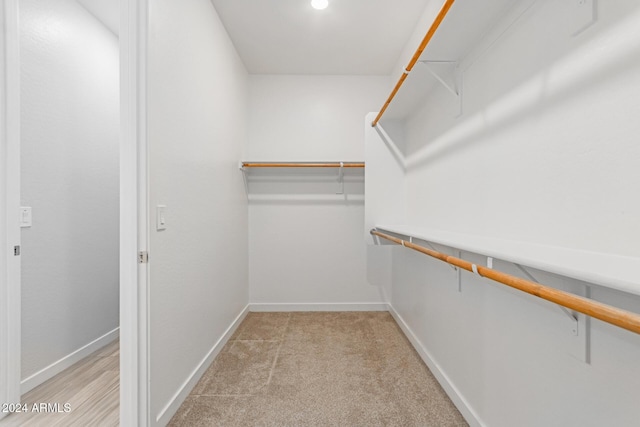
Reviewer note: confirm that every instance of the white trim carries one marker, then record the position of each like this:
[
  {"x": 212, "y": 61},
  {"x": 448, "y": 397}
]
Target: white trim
[
  {"x": 134, "y": 296},
  {"x": 613, "y": 271},
  {"x": 286, "y": 307},
  {"x": 174, "y": 404},
  {"x": 55, "y": 368},
  {"x": 9, "y": 202},
  {"x": 454, "y": 394}
]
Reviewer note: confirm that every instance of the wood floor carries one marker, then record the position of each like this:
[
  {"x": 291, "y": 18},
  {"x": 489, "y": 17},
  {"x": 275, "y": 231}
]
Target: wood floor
[{"x": 90, "y": 388}]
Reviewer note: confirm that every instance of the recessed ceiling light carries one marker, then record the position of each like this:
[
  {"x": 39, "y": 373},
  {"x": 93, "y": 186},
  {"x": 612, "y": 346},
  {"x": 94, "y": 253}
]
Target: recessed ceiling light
[{"x": 319, "y": 4}]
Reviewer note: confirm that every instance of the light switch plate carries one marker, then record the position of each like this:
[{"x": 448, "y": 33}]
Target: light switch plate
[
  {"x": 161, "y": 217},
  {"x": 26, "y": 219}
]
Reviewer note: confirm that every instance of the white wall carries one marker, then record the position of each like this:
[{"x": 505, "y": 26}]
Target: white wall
[
  {"x": 70, "y": 124},
  {"x": 547, "y": 131},
  {"x": 545, "y": 152},
  {"x": 305, "y": 241},
  {"x": 512, "y": 357},
  {"x": 197, "y": 94}
]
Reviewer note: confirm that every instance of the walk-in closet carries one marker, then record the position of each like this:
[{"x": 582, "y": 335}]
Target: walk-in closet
[{"x": 320, "y": 212}]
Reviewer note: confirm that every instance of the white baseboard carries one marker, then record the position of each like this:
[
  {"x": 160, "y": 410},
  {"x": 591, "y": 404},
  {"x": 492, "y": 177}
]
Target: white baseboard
[
  {"x": 55, "y": 368},
  {"x": 368, "y": 306},
  {"x": 456, "y": 397},
  {"x": 174, "y": 403}
]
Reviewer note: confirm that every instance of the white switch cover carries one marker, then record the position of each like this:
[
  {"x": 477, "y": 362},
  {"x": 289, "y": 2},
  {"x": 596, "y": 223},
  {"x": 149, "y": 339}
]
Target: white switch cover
[
  {"x": 25, "y": 217},
  {"x": 583, "y": 15},
  {"x": 161, "y": 217}
]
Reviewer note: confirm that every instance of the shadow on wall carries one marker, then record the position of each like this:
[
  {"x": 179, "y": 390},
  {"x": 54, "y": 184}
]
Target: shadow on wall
[
  {"x": 513, "y": 73},
  {"x": 559, "y": 82},
  {"x": 392, "y": 134},
  {"x": 294, "y": 186}
]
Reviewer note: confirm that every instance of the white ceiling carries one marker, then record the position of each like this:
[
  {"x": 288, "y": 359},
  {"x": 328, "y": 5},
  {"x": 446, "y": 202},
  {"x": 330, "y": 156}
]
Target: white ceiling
[{"x": 364, "y": 37}]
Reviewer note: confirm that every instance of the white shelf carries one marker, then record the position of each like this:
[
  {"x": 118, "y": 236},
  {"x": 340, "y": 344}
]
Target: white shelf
[
  {"x": 303, "y": 181},
  {"x": 470, "y": 24},
  {"x": 611, "y": 271},
  {"x": 321, "y": 164}
]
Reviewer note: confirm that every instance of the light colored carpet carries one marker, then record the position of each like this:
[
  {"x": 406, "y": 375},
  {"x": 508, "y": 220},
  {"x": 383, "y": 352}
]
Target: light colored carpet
[{"x": 318, "y": 369}]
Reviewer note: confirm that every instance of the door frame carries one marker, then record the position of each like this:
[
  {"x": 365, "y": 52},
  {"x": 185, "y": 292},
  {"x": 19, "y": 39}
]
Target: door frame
[
  {"x": 134, "y": 383},
  {"x": 134, "y": 276},
  {"x": 9, "y": 203}
]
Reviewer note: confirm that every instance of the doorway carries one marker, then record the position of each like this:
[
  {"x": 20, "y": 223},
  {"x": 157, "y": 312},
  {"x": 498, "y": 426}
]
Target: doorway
[
  {"x": 69, "y": 154},
  {"x": 69, "y": 60},
  {"x": 133, "y": 206}
]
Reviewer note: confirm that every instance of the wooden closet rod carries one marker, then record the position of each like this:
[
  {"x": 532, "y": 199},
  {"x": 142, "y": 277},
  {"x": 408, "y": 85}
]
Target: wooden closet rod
[
  {"x": 303, "y": 165},
  {"x": 425, "y": 41},
  {"x": 615, "y": 316}
]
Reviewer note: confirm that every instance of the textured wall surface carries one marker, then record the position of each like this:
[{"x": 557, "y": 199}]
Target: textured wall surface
[
  {"x": 545, "y": 152},
  {"x": 70, "y": 126},
  {"x": 196, "y": 131},
  {"x": 305, "y": 240}
]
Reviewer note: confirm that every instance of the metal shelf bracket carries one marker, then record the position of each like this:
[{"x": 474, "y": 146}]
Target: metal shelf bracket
[
  {"x": 448, "y": 73},
  {"x": 570, "y": 314},
  {"x": 244, "y": 178},
  {"x": 341, "y": 178}
]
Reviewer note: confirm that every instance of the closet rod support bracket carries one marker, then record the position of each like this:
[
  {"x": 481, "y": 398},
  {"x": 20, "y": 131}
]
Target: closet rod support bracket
[
  {"x": 573, "y": 317},
  {"x": 243, "y": 170},
  {"x": 451, "y": 80},
  {"x": 341, "y": 178},
  {"x": 452, "y": 266}
]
